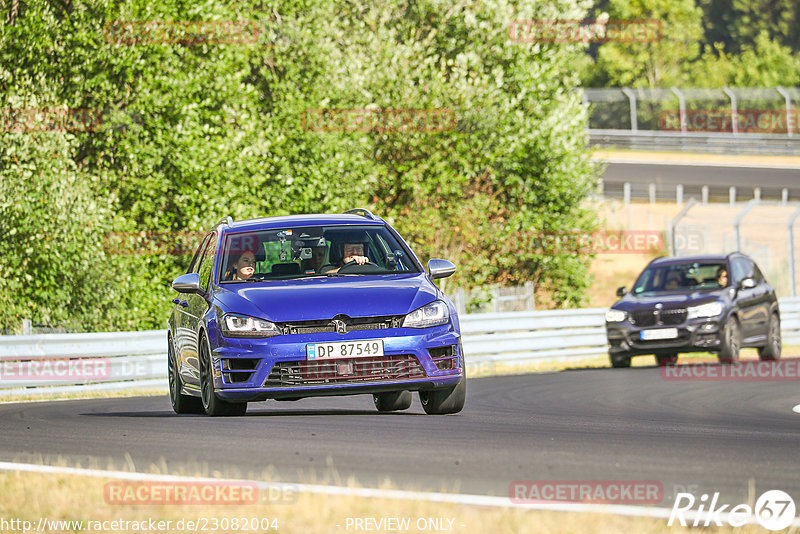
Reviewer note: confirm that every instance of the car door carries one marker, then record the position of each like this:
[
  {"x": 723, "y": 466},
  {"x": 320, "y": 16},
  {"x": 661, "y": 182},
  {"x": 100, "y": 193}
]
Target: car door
[
  {"x": 763, "y": 301},
  {"x": 193, "y": 312},
  {"x": 182, "y": 341},
  {"x": 746, "y": 298}
]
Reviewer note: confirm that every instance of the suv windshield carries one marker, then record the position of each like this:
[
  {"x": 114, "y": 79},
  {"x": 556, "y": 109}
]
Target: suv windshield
[
  {"x": 689, "y": 276},
  {"x": 300, "y": 252}
]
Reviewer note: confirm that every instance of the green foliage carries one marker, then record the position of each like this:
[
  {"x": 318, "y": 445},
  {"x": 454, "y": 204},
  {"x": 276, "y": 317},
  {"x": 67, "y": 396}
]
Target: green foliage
[{"x": 194, "y": 132}]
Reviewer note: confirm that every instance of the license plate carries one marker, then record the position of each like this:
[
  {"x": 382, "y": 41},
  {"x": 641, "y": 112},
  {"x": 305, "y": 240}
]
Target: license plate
[
  {"x": 660, "y": 333},
  {"x": 344, "y": 349}
]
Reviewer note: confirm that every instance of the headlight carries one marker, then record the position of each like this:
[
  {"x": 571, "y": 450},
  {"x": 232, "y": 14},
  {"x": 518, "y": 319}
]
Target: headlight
[
  {"x": 245, "y": 326},
  {"x": 712, "y": 309},
  {"x": 615, "y": 316},
  {"x": 433, "y": 314}
]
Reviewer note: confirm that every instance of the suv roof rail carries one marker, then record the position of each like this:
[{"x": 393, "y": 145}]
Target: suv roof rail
[
  {"x": 226, "y": 220},
  {"x": 364, "y": 212}
]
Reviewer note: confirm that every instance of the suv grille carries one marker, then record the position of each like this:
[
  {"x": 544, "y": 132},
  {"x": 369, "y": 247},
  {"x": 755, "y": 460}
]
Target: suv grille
[
  {"x": 342, "y": 324},
  {"x": 344, "y": 370},
  {"x": 654, "y": 317}
]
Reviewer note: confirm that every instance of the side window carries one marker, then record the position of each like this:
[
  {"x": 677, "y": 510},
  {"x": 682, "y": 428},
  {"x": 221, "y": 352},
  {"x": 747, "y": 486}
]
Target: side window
[
  {"x": 195, "y": 264},
  {"x": 207, "y": 263},
  {"x": 740, "y": 270},
  {"x": 759, "y": 278}
]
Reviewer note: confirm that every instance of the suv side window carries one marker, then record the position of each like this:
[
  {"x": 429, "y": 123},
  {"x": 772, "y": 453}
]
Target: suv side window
[
  {"x": 207, "y": 263},
  {"x": 741, "y": 269},
  {"x": 759, "y": 278},
  {"x": 193, "y": 266}
]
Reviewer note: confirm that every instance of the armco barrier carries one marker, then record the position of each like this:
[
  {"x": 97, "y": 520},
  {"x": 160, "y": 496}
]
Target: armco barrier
[{"x": 138, "y": 359}]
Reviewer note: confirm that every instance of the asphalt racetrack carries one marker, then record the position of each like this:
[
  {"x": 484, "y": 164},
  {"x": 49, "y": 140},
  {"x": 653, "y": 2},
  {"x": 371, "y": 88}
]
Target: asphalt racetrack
[{"x": 582, "y": 424}]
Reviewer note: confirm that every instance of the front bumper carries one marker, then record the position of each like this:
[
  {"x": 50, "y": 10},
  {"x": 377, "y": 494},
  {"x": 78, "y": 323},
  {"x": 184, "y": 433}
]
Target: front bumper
[
  {"x": 248, "y": 369},
  {"x": 694, "y": 335}
]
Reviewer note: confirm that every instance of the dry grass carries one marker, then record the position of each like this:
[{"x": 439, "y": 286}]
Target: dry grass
[{"x": 31, "y": 496}]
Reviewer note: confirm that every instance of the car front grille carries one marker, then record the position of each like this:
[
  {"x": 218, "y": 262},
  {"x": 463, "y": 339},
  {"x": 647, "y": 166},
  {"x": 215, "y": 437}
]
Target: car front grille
[
  {"x": 661, "y": 317},
  {"x": 345, "y": 370},
  {"x": 342, "y": 324}
]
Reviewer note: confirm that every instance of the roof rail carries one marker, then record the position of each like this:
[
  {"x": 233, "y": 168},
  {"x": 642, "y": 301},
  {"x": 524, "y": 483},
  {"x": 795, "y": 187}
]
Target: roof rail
[
  {"x": 226, "y": 220},
  {"x": 364, "y": 212}
]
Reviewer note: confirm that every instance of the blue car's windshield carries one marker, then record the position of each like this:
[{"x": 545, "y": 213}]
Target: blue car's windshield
[
  {"x": 689, "y": 276},
  {"x": 300, "y": 252}
]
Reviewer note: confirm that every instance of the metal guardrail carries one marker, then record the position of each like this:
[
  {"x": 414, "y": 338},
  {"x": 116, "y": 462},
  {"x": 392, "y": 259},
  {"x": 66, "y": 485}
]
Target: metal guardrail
[
  {"x": 138, "y": 359},
  {"x": 715, "y": 143}
]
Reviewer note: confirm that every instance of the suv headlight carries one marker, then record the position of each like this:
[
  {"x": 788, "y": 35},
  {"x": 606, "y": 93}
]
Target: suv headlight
[
  {"x": 712, "y": 309},
  {"x": 616, "y": 316},
  {"x": 245, "y": 326},
  {"x": 433, "y": 314}
]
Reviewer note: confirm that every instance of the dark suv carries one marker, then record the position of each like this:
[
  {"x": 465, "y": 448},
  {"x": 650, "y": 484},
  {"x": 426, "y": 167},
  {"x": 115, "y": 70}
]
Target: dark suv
[{"x": 710, "y": 303}]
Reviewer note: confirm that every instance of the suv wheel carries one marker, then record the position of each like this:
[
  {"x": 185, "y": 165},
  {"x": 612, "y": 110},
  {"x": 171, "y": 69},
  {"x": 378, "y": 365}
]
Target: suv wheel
[
  {"x": 731, "y": 341},
  {"x": 444, "y": 401},
  {"x": 180, "y": 403},
  {"x": 665, "y": 360},
  {"x": 772, "y": 350},
  {"x": 392, "y": 401},
  {"x": 619, "y": 361},
  {"x": 213, "y": 405}
]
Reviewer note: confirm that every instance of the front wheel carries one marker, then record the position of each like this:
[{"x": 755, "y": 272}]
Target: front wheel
[
  {"x": 180, "y": 403},
  {"x": 619, "y": 361},
  {"x": 772, "y": 350},
  {"x": 731, "y": 341},
  {"x": 213, "y": 405},
  {"x": 392, "y": 401},
  {"x": 444, "y": 401},
  {"x": 665, "y": 360}
]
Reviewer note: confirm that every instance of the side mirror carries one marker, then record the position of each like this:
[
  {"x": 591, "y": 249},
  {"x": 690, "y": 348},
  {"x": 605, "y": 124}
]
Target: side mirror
[
  {"x": 440, "y": 268},
  {"x": 747, "y": 283},
  {"x": 622, "y": 291},
  {"x": 188, "y": 283}
]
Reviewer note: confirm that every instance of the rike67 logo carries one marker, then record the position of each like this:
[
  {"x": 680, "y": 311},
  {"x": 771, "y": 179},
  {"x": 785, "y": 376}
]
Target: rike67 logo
[{"x": 774, "y": 510}]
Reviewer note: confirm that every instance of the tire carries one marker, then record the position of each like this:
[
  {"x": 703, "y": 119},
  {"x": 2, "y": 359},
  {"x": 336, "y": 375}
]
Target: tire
[
  {"x": 444, "y": 401},
  {"x": 619, "y": 361},
  {"x": 181, "y": 403},
  {"x": 731, "y": 341},
  {"x": 772, "y": 350},
  {"x": 392, "y": 401},
  {"x": 665, "y": 360},
  {"x": 213, "y": 405}
]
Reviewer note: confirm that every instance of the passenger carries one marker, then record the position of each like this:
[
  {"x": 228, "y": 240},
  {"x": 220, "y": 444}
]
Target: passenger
[
  {"x": 722, "y": 276},
  {"x": 243, "y": 267},
  {"x": 317, "y": 260}
]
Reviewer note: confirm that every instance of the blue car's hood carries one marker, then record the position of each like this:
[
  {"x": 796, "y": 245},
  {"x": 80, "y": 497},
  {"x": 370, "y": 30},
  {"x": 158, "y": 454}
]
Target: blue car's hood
[{"x": 324, "y": 298}]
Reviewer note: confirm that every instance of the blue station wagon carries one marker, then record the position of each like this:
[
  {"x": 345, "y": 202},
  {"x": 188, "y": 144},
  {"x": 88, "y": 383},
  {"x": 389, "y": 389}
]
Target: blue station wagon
[{"x": 312, "y": 305}]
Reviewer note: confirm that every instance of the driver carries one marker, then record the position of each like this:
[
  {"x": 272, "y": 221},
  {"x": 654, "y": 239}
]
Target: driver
[
  {"x": 351, "y": 252},
  {"x": 722, "y": 276}
]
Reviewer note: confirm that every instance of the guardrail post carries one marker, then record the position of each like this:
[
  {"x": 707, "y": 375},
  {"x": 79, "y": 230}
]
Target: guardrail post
[
  {"x": 792, "y": 268},
  {"x": 734, "y": 111},
  {"x": 626, "y": 193},
  {"x": 27, "y": 327},
  {"x": 757, "y": 193},
  {"x": 679, "y": 194},
  {"x": 784, "y": 196},
  {"x": 632, "y": 100},
  {"x": 651, "y": 191},
  {"x": 682, "y": 105},
  {"x": 732, "y": 195},
  {"x": 787, "y": 97},
  {"x": 674, "y": 223},
  {"x": 737, "y": 223},
  {"x": 704, "y": 194}
]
